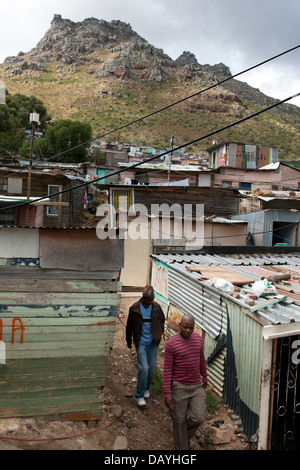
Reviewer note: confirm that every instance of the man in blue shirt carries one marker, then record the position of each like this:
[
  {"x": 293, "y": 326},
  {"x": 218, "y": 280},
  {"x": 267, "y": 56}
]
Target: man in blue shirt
[{"x": 145, "y": 326}]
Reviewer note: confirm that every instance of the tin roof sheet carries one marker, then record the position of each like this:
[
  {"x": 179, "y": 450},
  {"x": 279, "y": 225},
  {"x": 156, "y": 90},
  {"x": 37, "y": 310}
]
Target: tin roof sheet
[{"x": 253, "y": 266}]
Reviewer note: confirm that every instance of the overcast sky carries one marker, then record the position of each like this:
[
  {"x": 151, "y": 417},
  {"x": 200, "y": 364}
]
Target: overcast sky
[{"x": 239, "y": 33}]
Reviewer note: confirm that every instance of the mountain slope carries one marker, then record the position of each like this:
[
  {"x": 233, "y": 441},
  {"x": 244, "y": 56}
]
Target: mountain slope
[{"x": 105, "y": 73}]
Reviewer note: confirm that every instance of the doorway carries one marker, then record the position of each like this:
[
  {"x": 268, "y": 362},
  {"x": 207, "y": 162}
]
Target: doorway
[
  {"x": 284, "y": 233},
  {"x": 285, "y": 395}
]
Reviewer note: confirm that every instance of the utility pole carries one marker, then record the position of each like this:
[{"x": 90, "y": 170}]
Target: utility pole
[
  {"x": 33, "y": 118},
  {"x": 170, "y": 158}
]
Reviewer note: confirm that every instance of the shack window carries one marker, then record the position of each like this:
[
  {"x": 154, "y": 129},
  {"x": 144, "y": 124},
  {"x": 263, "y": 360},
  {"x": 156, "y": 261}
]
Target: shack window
[
  {"x": 52, "y": 190},
  {"x": 3, "y": 184},
  {"x": 8, "y": 216},
  {"x": 122, "y": 198},
  {"x": 245, "y": 186},
  {"x": 14, "y": 185}
]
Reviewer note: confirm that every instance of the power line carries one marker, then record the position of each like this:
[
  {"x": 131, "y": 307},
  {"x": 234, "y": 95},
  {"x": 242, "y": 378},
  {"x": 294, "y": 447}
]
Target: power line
[
  {"x": 165, "y": 153},
  {"x": 175, "y": 103},
  {"x": 166, "y": 107}
]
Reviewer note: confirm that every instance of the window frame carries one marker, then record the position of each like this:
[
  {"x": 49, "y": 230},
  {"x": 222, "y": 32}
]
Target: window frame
[{"x": 53, "y": 199}]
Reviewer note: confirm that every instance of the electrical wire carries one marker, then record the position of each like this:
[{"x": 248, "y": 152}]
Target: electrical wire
[
  {"x": 175, "y": 103},
  {"x": 228, "y": 126},
  {"x": 160, "y": 231},
  {"x": 168, "y": 106}
]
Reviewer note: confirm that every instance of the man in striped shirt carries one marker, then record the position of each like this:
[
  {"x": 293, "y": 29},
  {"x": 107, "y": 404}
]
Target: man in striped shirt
[{"x": 184, "y": 382}]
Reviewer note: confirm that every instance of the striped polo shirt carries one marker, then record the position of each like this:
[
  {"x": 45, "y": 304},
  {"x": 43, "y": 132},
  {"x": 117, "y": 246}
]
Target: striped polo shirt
[{"x": 184, "y": 361}]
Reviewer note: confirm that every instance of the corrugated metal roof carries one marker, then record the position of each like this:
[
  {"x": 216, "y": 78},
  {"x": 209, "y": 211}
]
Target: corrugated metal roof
[
  {"x": 222, "y": 220},
  {"x": 231, "y": 260},
  {"x": 201, "y": 300},
  {"x": 253, "y": 266}
]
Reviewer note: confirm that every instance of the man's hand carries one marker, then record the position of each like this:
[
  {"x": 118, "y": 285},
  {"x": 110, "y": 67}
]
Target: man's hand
[
  {"x": 204, "y": 384},
  {"x": 169, "y": 402}
]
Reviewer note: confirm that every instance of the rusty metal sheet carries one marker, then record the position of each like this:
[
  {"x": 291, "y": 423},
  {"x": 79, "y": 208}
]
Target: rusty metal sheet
[{"x": 79, "y": 250}]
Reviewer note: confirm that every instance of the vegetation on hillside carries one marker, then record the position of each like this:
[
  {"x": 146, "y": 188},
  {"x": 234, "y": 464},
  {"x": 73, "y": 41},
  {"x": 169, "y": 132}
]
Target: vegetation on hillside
[
  {"x": 66, "y": 140},
  {"x": 108, "y": 106},
  {"x": 104, "y": 74},
  {"x": 14, "y": 120},
  {"x": 58, "y": 137}
]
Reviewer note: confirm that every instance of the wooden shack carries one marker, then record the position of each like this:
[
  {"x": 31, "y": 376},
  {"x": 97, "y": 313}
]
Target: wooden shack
[
  {"x": 62, "y": 206},
  {"x": 59, "y": 302}
]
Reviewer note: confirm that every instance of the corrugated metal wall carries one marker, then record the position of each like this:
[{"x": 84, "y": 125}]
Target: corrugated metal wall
[
  {"x": 200, "y": 301},
  {"x": 243, "y": 366},
  {"x": 233, "y": 344},
  {"x": 215, "y": 354}
]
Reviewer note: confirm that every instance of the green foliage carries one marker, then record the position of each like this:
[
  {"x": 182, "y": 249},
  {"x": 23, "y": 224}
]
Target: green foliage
[
  {"x": 156, "y": 385},
  {"x": 66, "y": 134},
  {"x": 14, "y": 119},
  {"x": 20, "y": 106},
  {"x": 212, "y": 401},
  {"x": 60, "y": 137},
  {"x": 98, "y": 156}
]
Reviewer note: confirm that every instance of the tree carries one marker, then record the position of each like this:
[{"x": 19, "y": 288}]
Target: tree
[
  {"x": 66, "y": 134},
  {"x": 20, "y": 107},
  {"x": 14, "y": 119},
  {"x": 60, "y": 138},
  {"x": 98, "y": 157}
]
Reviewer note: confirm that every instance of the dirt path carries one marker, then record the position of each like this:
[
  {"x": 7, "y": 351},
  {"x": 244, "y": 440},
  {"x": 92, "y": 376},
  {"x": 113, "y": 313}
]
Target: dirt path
[{"x": 123, "y": 423}]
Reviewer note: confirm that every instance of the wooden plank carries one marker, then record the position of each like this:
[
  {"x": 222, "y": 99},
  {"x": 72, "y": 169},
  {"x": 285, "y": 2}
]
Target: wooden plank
[
  {"x": 68, "y": 386},
  {"x": 64, "y": 327},
  {"x": 46, "y": 379},
  {"x": 266, "y": 303},
  {"x": 67, "y": 315},
  {"x": 58, "y": 285},
  {"x": 85, "y": 410},
  {"x": 97, "y": 343},
  {"x": 35, "y": 272},
  {"x": 19, "y": 389},
  {"x": 47, "y": 402},
  {"x": 42, "y": 365},
  {"x": 75, "y": 394},
  {"x": 17, "y": 370},
  {"x": 48, "y": 203},
  {"x": 32, "y": 338},
  {"x": 59, "y": 353},
  {"x": 58, "y": 328},
  {"x": 45, "y": 298},
  {"x": 209, "y": 272},
  {"x": 58, "y": 333}
]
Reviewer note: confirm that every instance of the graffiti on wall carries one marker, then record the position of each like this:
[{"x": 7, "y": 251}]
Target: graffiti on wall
[
  {"x": 16, "y": 326},
  {"x": 160, "y": 279}
]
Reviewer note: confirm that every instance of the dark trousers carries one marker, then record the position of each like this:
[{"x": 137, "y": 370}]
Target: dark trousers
[{"x": 188, "y": 413}]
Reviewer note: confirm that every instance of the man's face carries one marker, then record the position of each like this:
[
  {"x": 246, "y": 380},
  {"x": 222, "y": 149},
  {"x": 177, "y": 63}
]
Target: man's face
[
  {"x": 186, "y": 327},
  {"x": 148, "y": 298}
]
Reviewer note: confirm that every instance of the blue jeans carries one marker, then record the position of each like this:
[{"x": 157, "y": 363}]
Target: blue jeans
[{"x": 146, "y": 362}]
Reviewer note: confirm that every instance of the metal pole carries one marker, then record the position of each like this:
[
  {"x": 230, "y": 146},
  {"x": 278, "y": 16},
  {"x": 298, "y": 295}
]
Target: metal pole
[
  {"x": 29, "y": 174},
  {"x": 34, "y": 117},
  {"x": 170, "y": 160}
]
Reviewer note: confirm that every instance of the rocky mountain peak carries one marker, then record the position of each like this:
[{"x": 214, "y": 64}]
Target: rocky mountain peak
[
  {"x": 111, "y": 53},
  {"x": 67, "y": 42},
  {"x": 187, "y": 58},
  {"x": 108, "y": 49}
]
